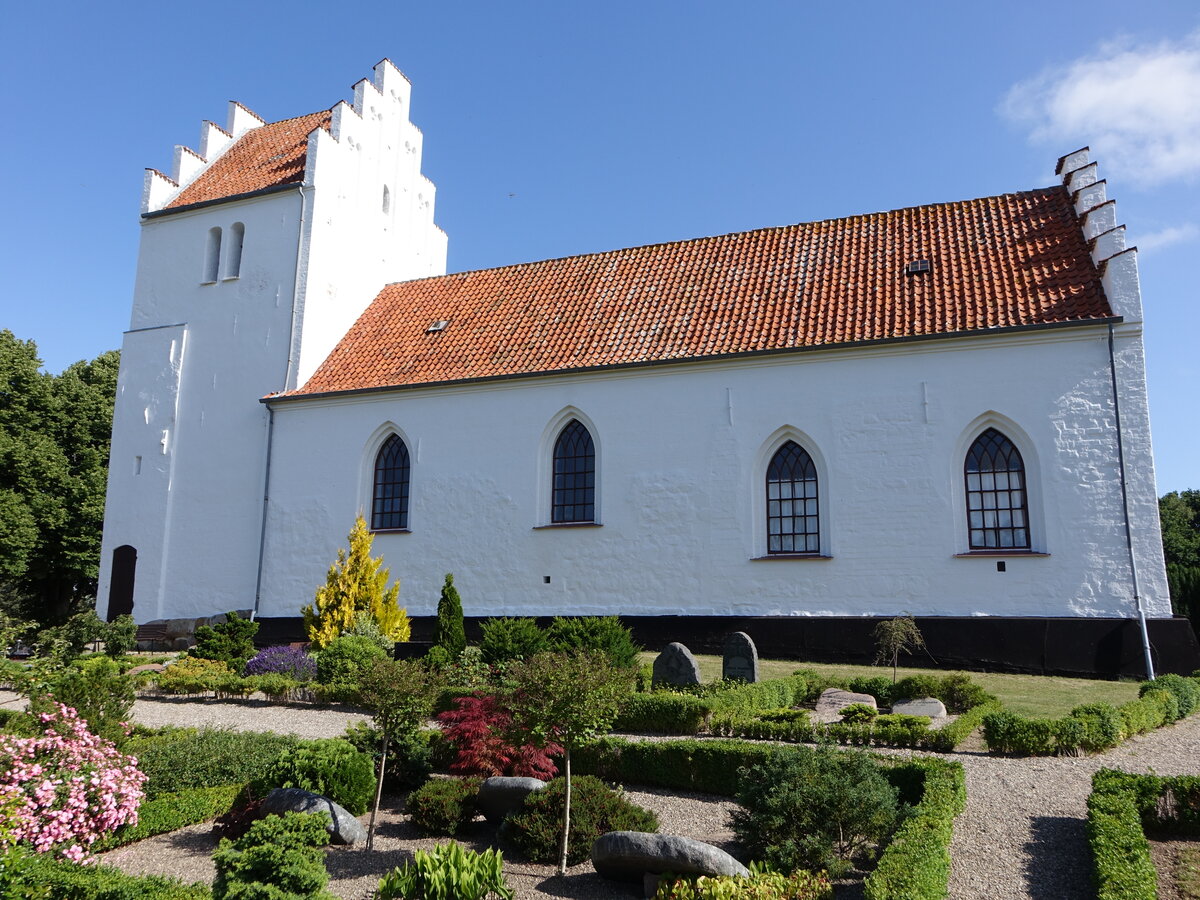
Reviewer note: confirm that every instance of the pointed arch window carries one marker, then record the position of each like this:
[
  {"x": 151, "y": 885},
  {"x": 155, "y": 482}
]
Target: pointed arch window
[
  {"x": 574, "y": 493},
  {"x": 997, "y": 500},
  {"x": 793, "y": 521},
  {"x": 389, "y": 504}
]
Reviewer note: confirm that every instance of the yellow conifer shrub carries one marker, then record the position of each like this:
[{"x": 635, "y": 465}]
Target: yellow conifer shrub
[{"x": 356, "y": 585}]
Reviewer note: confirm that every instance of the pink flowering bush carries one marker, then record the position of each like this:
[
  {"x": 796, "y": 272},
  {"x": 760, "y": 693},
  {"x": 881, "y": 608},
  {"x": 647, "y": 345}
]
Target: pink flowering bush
[{"x": 65, "y": 789}]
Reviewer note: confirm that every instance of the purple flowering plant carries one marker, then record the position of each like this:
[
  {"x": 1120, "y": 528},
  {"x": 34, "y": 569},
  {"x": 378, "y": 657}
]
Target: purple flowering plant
[
  {"x": 63, "y": 790},
  {"x": 290, "y": 661}
]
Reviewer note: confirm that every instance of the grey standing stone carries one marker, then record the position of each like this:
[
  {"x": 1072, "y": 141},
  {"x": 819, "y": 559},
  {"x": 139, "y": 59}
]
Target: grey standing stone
[
  {"x": 676, "y": 665},
  {"x": 501, "y": 795},
  {"x": 343, "y": 827},
  {"x": 741, "y": 658},
  {"x": 921, "y": 706},
  {"x": 630, "y": 855}
]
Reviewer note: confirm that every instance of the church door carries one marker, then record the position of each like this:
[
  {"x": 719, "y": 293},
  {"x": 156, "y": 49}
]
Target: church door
[{"x": 120, "y": 595}]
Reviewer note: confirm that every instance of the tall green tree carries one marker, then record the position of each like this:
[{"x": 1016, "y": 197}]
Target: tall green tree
[
  {"x": 54, "y": 440},
  {"x": 1180, "y": 515},
  {"x": 450, "y": 632}
]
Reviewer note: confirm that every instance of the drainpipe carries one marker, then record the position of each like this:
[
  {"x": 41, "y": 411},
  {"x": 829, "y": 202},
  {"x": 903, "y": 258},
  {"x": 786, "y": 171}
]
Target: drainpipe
[
  {"x": 262, "y": 530},
  {"x": 1137, "y": 597}
]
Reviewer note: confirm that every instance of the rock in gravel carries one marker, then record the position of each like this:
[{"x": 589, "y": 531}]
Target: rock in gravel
[
  {"x": 630, "y": 855},
  {"x": 502, "y": 795},
  {"x": 834, "y": 700},
  {"x": 920, "y": 706},
  {"x": 676, "y": 665},
  {"x": 343, "y": 828}
]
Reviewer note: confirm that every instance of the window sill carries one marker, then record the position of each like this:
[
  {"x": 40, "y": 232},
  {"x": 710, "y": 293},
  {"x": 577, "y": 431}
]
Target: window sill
[
  {"x": 992, "y": 554},
  {"x": 788, "y": 556},
  {"x": 391, "y": 531},
  {"x": 568, "y": 525},
  {"x": 214, "y": 281},
  {"x": 231, "y": 278}
]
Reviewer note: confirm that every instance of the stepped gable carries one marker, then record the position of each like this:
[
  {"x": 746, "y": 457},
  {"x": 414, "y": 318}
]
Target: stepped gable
[
  {"x": 1012, "y": 260},
  {"x": 263, "y": 157}
]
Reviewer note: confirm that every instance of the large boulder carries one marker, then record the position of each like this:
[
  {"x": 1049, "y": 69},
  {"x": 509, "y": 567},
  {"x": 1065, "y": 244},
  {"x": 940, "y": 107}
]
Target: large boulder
[
  {"x": 834, "y": 700},
  {"x": 630, "y": 855},
  {"x": 502, "y": 795},
  {"x": 343, "y": 828},
  {"x": 920, "y": 706}
]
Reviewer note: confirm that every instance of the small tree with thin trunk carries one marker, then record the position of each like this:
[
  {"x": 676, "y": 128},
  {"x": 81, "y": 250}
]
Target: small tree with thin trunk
[
  {"x": 401, "y": 693},
  {"x": 896, "y": 636},
  {"x": 568, "y": 699}
]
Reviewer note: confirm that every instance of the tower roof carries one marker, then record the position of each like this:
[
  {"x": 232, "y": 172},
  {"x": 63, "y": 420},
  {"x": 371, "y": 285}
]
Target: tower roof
[
  {"x": 951, "y": 268},
  {"x": 266, "y": 156}
]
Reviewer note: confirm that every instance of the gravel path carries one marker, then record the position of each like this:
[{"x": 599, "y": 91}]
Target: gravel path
[{"x": 1021, "y": 836}]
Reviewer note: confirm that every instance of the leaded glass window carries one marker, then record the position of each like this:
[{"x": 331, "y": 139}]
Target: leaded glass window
[
  {"x": 389, "y": 505},
  {"x": 793, "y": 524},
  {"x": 997, "y": 502},
  {"x": 574, "y": 497}
]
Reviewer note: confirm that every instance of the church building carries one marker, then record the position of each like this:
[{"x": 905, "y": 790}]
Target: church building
[{"x": 791, "y": 431}]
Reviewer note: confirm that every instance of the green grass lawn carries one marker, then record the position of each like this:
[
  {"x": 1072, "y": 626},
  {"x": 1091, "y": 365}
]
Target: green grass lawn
[{"x": 1026, "y": 695}]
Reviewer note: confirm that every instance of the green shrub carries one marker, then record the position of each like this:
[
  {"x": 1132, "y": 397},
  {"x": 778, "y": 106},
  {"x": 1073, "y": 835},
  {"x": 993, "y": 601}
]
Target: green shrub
[
  {"x": 775, "y": 693},
  {"x": 120, "y": 636},
  {"x": 44, "y": 875},
  {"x": 878, "y": 686},
  {"x": 279, "y": 858},
  {"x": 342, "y": 663},
  {"x": 448, "y": 872},
  {"x": 507, "y": 639},
  {"x": 661, "y": 712},
  {"x": 1008, "y": 733},
  {"x": 710, "y": 766},
  {"x": 790, "y": 716},
  {"x": 94, "y": 688},
  {"x": 600, "y": 634},
  {"x": 917, "y": 686},
  {"x": 191, "y": 675},
  {"x": 170, "y": 812},
  {"x": 961, "y": 694},
  {"x": 277, "y": 687},
  {"x": 331, "y": 767},
  {"x": 859, "y": 713},
  {"x": 232, "y": 686},
  {"x": 182, "y": 759},
  {"x": 449, "y": 632},
  {"x": 595, "y": 810},
  {"x": 364, "y": 625},
  {"x": 1185, "y": 691},
  {"x": 230, "y": 642},
  {"x": 761, "y": 885},
  {"x": 444, "y": 805},
  {"x": 1102, "y": 726},
  {"x": 411, "y": 758},
  {"x": 814, "y": 809}
]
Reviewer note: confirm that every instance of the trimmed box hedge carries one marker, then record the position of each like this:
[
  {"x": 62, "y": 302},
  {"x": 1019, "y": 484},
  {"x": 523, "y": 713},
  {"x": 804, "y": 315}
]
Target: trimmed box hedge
[
  {"x": 60, "y": 878},
  {"x": 1120, "y": 809},
  {"x": 914, "y": 866},
  {"x": 170, "y": 812}
]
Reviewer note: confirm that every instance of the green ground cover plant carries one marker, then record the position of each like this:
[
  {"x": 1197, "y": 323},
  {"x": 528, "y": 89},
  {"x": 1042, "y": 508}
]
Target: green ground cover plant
[
  {"x": 60, "y": 878},
  {"x": 180, "y": 759},
  {"x": 448, "y": 872},
  {"x": 170, "y": 812},
  {"x": 762, "y": 884},
  {"x": 444, "y": 805}
]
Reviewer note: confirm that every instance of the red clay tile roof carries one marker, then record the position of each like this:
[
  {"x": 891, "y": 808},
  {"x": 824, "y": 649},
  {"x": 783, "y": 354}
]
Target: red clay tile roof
[
  {"x": 263, "y": 157},
  {"x": 1016, "y": 259}
]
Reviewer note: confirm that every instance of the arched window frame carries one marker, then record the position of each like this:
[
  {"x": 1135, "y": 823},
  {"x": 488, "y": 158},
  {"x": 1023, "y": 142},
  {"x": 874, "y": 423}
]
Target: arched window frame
[
  {"x": 545, "y": 469},
  {"x": 372, "y": 449},
  {"x": 758, "y": 491},
  {"x": 1034, "y": 506}
]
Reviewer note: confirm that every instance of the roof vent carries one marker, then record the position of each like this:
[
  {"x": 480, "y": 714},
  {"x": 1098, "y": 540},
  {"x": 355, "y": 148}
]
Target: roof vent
[
  {"x": 918, "y": 267},
  {"x": 439, "y": 325}
]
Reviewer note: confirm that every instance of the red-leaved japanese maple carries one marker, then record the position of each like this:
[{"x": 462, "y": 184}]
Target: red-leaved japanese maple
[{"x": 478, "y": 727}]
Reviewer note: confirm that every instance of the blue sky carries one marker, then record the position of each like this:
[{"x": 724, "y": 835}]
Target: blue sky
[{"x": 559, "y": 128}]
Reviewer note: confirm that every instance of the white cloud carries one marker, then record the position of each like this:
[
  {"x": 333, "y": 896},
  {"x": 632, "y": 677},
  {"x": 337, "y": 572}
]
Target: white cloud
[
  {"x": 1165, "y": 237},
  {"x": 1138, "y": 107}
]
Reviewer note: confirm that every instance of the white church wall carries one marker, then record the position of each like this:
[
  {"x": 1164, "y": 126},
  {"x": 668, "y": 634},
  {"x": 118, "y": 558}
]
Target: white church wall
[
  {"x": 195, "y": 523},
  {"x": 681, "y": 454}
]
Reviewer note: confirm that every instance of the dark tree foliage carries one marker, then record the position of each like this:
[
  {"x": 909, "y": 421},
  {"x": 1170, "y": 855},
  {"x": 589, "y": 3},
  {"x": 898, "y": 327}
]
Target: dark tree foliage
[
  {"x": 450, "y": 632},
  {"x": 1180, "y": 515},
  {"x": 54, "y": 437}
]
